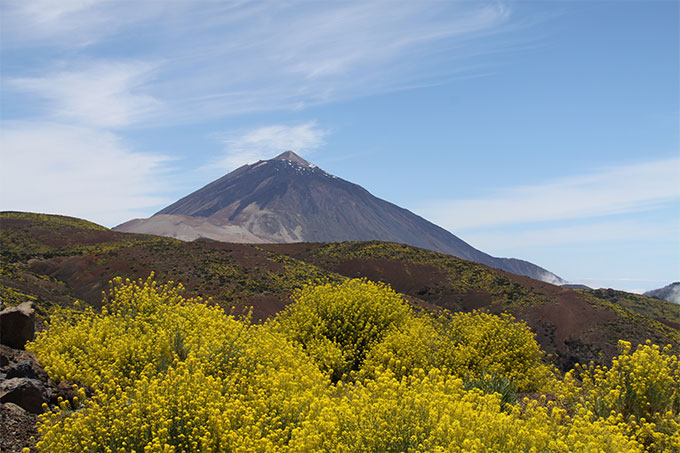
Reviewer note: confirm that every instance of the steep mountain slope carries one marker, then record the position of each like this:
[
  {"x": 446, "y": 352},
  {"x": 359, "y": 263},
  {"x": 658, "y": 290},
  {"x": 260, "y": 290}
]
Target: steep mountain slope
[
  {"x": 56, "y": 261},
  {"x": 670, "y": 293},
  {"x": 287, "y": 199}
]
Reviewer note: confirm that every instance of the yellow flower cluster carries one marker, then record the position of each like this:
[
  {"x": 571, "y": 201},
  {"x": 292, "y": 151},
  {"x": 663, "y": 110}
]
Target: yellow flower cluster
[
  {"x": 337, "y": 324},
  {"x": 173, "y": 375},
  {"x": 639, "y": 393},
  {"x": 170, "y": 374},
  {"x": 433, "y": 413},
  {"x": 470, "y": 345}
]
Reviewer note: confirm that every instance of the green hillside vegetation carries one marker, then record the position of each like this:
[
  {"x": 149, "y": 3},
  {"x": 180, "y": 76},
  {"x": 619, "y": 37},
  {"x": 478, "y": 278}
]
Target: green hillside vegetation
[
  {"x": 337, "y": 371},
  {"x": 647, "y": 306},
  {"x": 460, "y": 275},
  {"x": 69, "y": 259}
]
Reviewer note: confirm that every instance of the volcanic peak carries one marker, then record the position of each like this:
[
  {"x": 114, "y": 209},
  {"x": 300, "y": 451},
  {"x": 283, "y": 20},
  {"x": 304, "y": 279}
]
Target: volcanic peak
[{"x": 292, "y": 157}]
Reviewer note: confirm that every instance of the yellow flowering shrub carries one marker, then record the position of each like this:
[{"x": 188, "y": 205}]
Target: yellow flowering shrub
[
  {"x": 338, "y": 323},
  {"x": 413, "y": 346},
  {"x": 640, "y": 393},
  {"x": 472, "y": 345},
  {"x": 481, "y": 343},
  {"x": 170, "y": 374},
  {"x": 173, "y": 375},
  {"x": 433, "y": 413}
]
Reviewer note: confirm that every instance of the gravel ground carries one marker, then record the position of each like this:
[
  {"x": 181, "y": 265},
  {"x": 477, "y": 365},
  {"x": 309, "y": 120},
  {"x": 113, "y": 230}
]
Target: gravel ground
[{"x": 17, "y": 428}]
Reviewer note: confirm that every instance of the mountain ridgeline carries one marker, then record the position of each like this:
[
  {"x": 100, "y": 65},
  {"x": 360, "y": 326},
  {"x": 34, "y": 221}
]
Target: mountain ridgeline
[
  {"x": 670, "y": 293},
  {"x": 287, "y": 199}
]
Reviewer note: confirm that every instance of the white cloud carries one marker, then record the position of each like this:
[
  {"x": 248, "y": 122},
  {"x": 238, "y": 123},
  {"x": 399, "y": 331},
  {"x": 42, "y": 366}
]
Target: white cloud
[
  {"x": 228, "y": 58},
  {"x": 48, "y": 14},
  {"x": 69, "y": 23},
  {"x": 245, "y": 147},
  {"x": 289, "y": 57},
  {"x": 631, "y": 285},
  {"x": 616, "y": 190},
  {"x": 502, "y": 241},
  {"x": 674, "y": 295},
  {"x": 76, "y": 171},
  {"x": 104, "y": 94}
]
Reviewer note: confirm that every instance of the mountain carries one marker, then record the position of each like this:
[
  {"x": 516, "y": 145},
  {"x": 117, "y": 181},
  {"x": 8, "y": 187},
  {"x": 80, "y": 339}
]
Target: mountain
[
  {"x": 287, "y": 199},
  {"x": 56, "y": 261},
  {"x": 671, "y": 293}
]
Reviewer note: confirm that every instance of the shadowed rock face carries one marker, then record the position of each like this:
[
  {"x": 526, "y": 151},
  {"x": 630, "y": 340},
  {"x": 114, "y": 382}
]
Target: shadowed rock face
[
  {"x": 17, "y": 325},
  {"x": 287, "y": 199},
  {"x": 29, "y": 394}
]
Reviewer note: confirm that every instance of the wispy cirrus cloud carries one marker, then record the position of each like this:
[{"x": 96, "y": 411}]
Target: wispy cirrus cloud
[
  {"x": 290, "y": 57},
  {"x": 106, "y": 94},
  {"x": 615, "y": 190},
  {"x": 248, "y": 146},
  {"x": 94, "y": 67},
  {"x": 69, "y": 23},
  {"x": 256, "y": 56},
  {"x": 76, "y": 171}
]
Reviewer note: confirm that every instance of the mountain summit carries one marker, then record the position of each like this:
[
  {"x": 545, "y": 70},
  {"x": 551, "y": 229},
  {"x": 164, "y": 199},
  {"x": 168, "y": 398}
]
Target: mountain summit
[
  {"x": 287, "y": 199},
  {"x": 292, "y": 157}
]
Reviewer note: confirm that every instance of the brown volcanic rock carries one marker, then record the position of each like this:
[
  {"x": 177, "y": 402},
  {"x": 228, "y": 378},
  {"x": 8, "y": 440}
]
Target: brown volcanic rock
[
  {"x": 17, "y": 325},
  {"x": 24, "y": 386},
  {"x": 29, "y": 394}
]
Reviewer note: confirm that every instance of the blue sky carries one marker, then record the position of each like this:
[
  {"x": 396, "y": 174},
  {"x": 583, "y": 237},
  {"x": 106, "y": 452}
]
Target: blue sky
[{"x": 547, "y": 131}]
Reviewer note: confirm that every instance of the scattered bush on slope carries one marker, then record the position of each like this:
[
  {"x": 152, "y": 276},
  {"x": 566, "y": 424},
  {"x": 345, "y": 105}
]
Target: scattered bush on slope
[
  {"x": 337, "y": 324},
  {"x": 640, "y": 393}
]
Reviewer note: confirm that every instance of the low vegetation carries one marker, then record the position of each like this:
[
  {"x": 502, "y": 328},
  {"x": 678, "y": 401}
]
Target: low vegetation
[
  {"x": 647, "y": 306},
  {"x": 348, "y": 366},
  {"x": 461, "y": 276}
]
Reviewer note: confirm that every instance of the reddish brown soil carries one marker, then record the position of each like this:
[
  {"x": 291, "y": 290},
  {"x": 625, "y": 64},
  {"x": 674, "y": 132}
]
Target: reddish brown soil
[
  {"x": 675, "y": 325},
  {"x": 87, "y": 276},
  {"x": 263, "y": 306},
  {"x": 566, "y": 323}
]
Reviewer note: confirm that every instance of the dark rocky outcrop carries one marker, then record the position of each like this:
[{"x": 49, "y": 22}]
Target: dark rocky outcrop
[
  {"x": 18, "y": 428},
  {"x": 24, "y": 387},
  {"x": 23, "y": 369},
  {"x": 17, "y": 325},
  {"x": 29, "y": 394}
]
